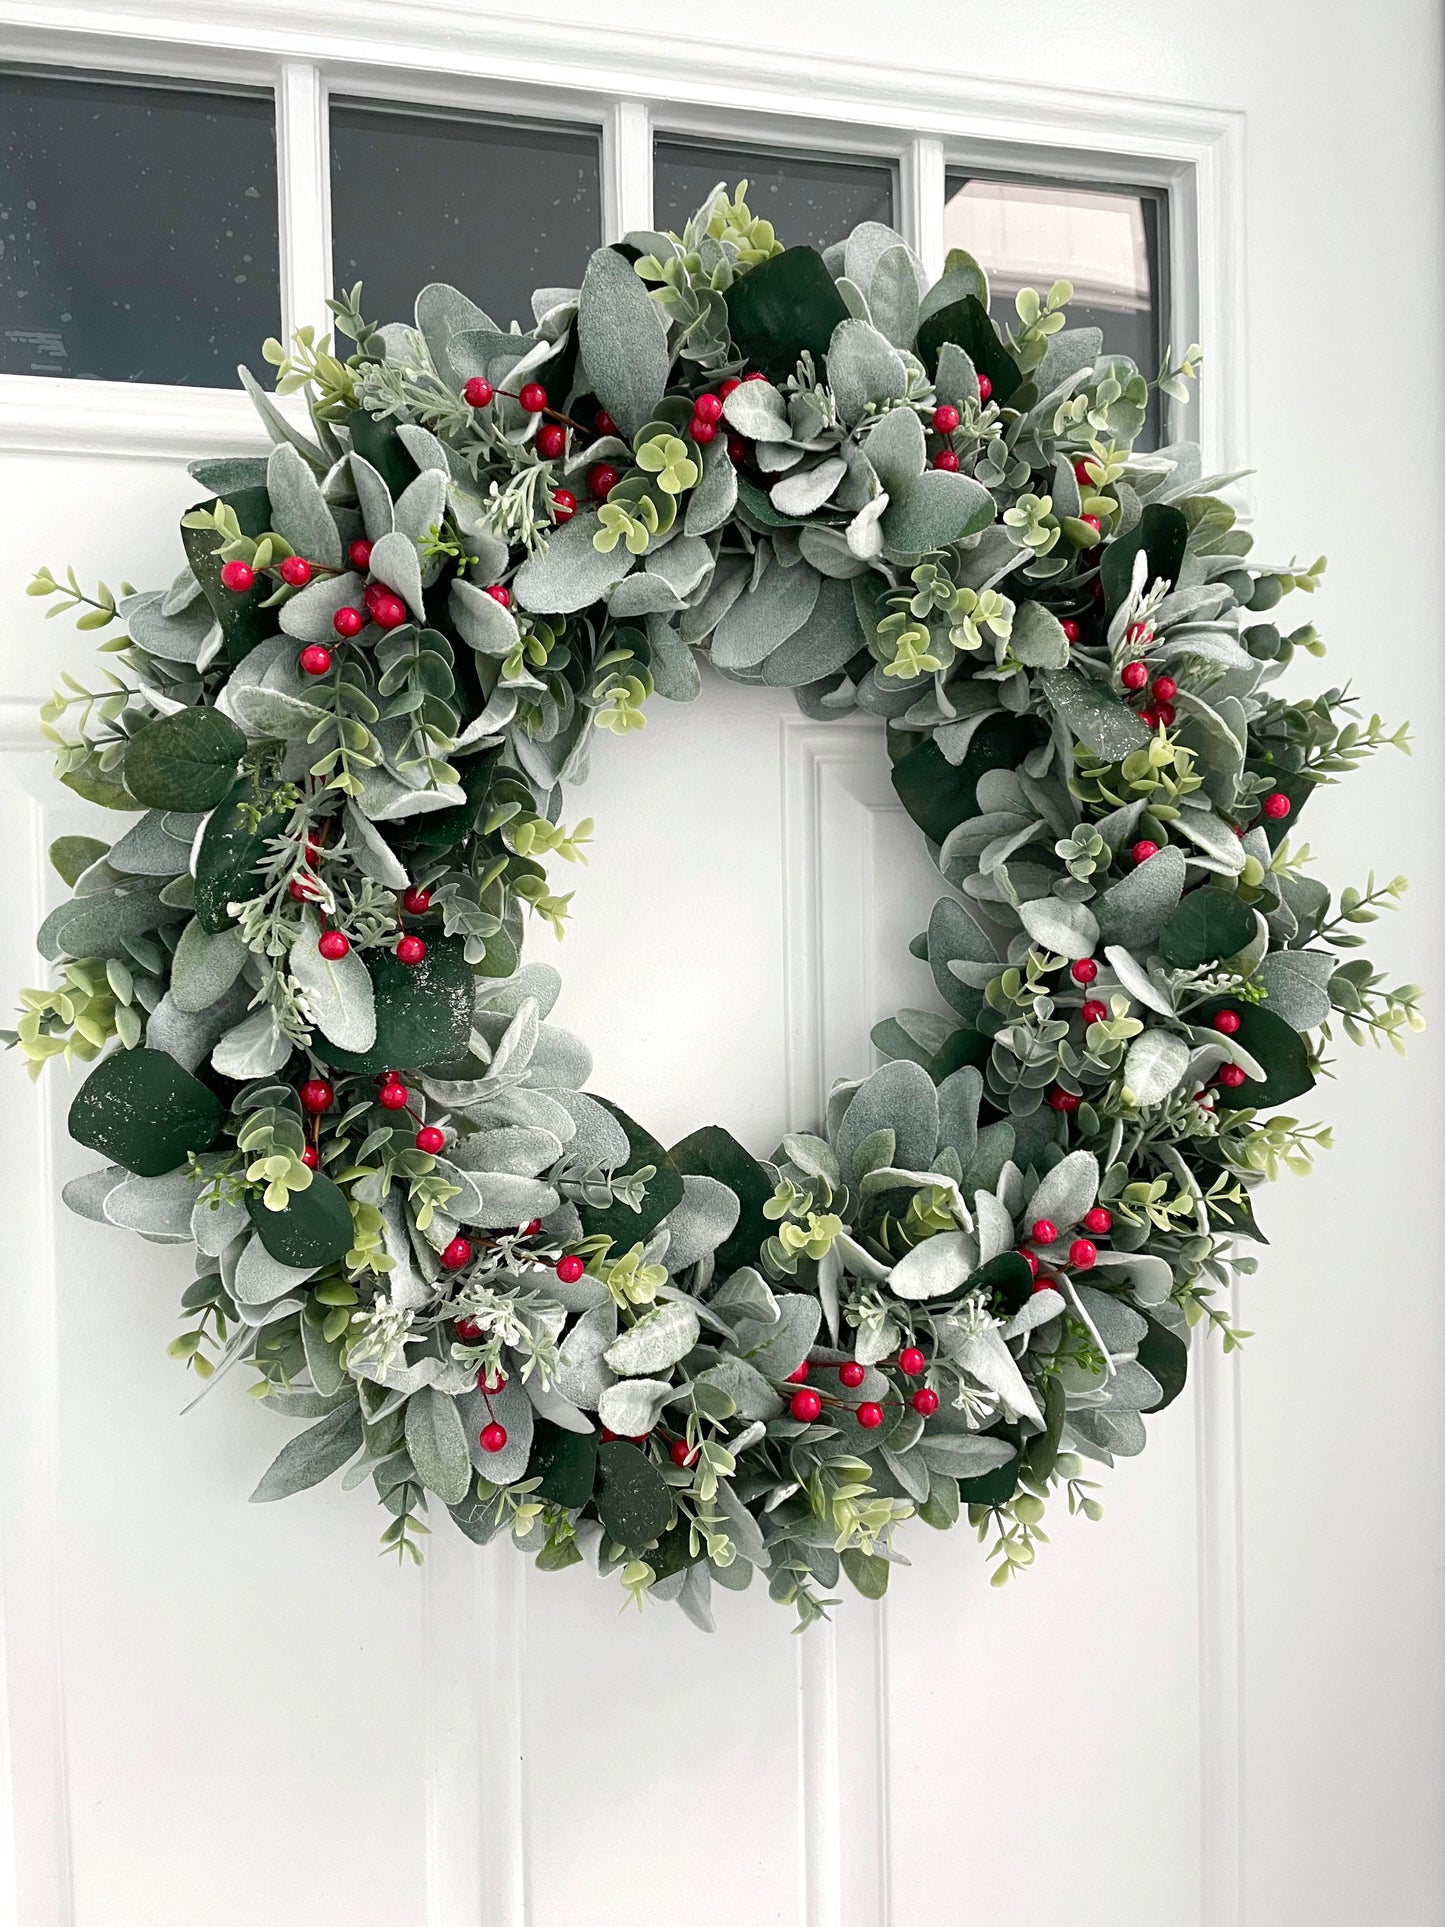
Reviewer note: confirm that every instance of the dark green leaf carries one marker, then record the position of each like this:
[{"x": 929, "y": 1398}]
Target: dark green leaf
[
  {"x": 1041, "y": 1451},
  {"x": 938, "y": 795},
  {"x": 69, "y": 855},
  {"x": 378, "y": 443},
  {"x": 967, "y": 322},
  {"x": 140, "y": 1109},
  {"x": 1162, "y": 532},
  {"x": 1207, "y": 925},
  {"x": 712, "y": 1152},
  {"x": 423, "y": 1011},
  {"x": 1165, "y": 1355},
  {"x": 618, "y": 1221},
  {"x": 1008, "y": 1281},
  {"x": 243, "y": 621},
  {"x": 314, "y": 1229},
  {"x": 226, "y": 860},
  {"x": 565, "y": 1462},
  {"x": 1096, "y": 716},
  {"x": 965, "y": 1046},
  {"x": 1279, "y": 1050},
  {"x": 991, "y": 1488},
  {"x": 783, "y": 307},
  {"x": 632, "y": 1498},
  {"x": 184, "y": 762}
]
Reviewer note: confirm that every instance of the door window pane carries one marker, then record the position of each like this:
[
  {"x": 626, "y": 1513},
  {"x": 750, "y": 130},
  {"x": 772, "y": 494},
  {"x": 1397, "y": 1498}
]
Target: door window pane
[
  {"x": 1106, "y": 241},
  {"x": 495, "y": 208},
  {"x": 137, "y": 230},
  {"x": 809, "y": 198}
]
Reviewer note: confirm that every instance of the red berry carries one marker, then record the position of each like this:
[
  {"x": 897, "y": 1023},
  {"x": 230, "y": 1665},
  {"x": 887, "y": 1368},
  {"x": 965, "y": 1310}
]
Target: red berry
[
  {"x": 531, "y": 1230},
  {"x": 680, "y": 1455},
  {"x": 911, "y": 1361},
  {"x": 359, "y": 554},
  {"x": 468, "y": 1331},
  {"x": 1099, "y": 1221},
  {"x": 1084, "y": 970},
  {"x": 700, "y": 430},
  {"x": 1150, "y": 715},
  {"x": 1226, "y": 1020},
  {"x": 755, "y": 376},
  {"x": 852, "y": 1374},
  {"x": 1143, "y": 850},
  {"x": 1277, "y": 805},
  {"x": 501, "y": 595},
  {"x": 602, "y": 478},
  {"x": 797, "y": 1377},
  {"x": 491, "y": 1386},
  {"x": 457, "y": 1254},
  {"x": 477, "y": 393},
  {"x": 1134, "y": 675},
  {"x": 1137, "y": 632},
  {"x": 410, "y": 950},
  {"x": 737, "y": 450},
  {"x": 1043, "y": 1231},
  {"x": 388, "y": 611},
  {"x": 1163, "y": 714},
  {"x": 309, "y": 1157},
  {"x": 1231, "y": 1076},
  {"x": 725, "y": 388},
  {"x": 348, "y": 622},
  {"x": 1030, "y": 1260},
  {"x": 945, "y": 418},
  {"x": 551, "y": 440},
  {"x": 533, "y": 397},
  {"x": 1094, "y": 1012},
  {"x": 237, "y": 576},
  {"x": 333, "y": 946},
  {"x": 1165, "y": 689},
  {"x": 315, "y": 659},
  {"x": 431, "y": 1139},
  {"x": 570, "y": 1269},
  {"x": 869, "y": 1415},
  {"x": 985, "y": 388},
  {"x": 1090, "y": 522},
  {"x": 924, "y": 1402},
  {"x": 1082, "y": 1253},
  {"x": 415, "y": 901},
  {"x": 295, "y": 570},
  {"x": 608, "y": 1435},
  {"x": 1081, "y": 473},
  {"x": 317, "y": 1096},
  {"x": 605, "y": 423},
  {"x": 946, "y": 459},
  {"x": 708, "y": 408},
  {"x": 492, "y": 1437},
  {"x": 1045, "y": 1283},
  {"x": 301, "y": 890},
  {"x": 1062, "y": 1100},
  {"x": 805, "y": 1405},
  {"x": 564, "y": 504},
  {"x": 1071, "y": 629},
  {"x": 392, "y": 1096}
]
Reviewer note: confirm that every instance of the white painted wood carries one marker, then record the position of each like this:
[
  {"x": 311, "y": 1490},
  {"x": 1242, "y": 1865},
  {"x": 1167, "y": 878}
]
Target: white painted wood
[
  {"x": 304, "y": 187},
  {"x": 1213, "y": 1709}
]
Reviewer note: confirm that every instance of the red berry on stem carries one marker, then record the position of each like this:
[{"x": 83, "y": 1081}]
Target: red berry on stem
[
  {"x": 551, "y": 440},
  {"x": 348, "y": 622},
  {"x": 1030, "y": 1260},
  {"x": 388, "y": 611},
  {"x": 1150, "y": 715},
  {"x": 1277, "y": 805},
  {"x": 869, "y": 1415},
  {"x": 499, "y": 593},
  {"x": 1081, "y": 473},
  {"x": 1226, "y": 1020},
  {"x": 1093, "y": 1011},
  {"x": 477, "y": 393},
  {"x": 301, "y": 891},
  {"x": 533, "y": 397},
  {"x": 852, "y": 1374},
  {"x": 985, "y": 388},
  {"x": 1071, "y": 629},
  {"x": 797, "y": 1377},
  {"x": 570, "y": 1268},
  {"x": 700, "y": 430},
  {"x": 945, "y": 418},
  {"x": 317, "y": 1096},
  {"x": 1062, "y": 1100},
  {"x": 1134, "y": 675},
  {"x": 1163, "y": 714},
  {"x": 492, "y": 1437},
  {"x": 237, "y": 576},
  {"x": 680, "y": 1455},
  {"x": 564, "y": 504},
  {"x": 911, "y": 1361},
  {"x": 708, "y": 408},
  {"x": 1044, "y": 1284},
  {"x": 946, "y": 459},
  {"x": 415, "y": 901},
  {"x": 491, "y": 1386},
  {"x": 431, "y": 1139},
  {"x": 531, "y": 1230},
  {"x": 1084, "y": 970},
  {"x": 410, "y": 950},
  {"x": 805, "y": 1405},
  {"x": 1143, "y": 850},
  {"x": 1099, "y": 1221},
  {"x": 756, "y": 375},
  {"x": 924, "y": 1401},
  {"x": 1043, "y": 1231},
  {"x": 1082, "y": 1253},
  {"x": 457, "y": 1254},
  {"x": 737, "y": 450},
  {"x": 315, "y": 659},
  {"x": 392, "y": 1096},
  {"x": 333, "y": 946},
  {"x": 1165, "y": 689},
  {"x": 602, "y": 478},
  {"x": 1231, "y": 1076},
  {"x": 309, "y": 1157},
  {"x": 605, "y": 423},
  {"x": 359, "y": 554},
  {"x": 295, "y": 570},
  {"x": 725, "y": 388}
]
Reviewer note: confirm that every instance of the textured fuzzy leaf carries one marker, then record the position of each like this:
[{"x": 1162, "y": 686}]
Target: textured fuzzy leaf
[
  {"x": 622, "y": 338},
  {"x": 437, "y": 1442},
  {"x": 320, "y": 1450},
  {"x": 338, "y": 993}
]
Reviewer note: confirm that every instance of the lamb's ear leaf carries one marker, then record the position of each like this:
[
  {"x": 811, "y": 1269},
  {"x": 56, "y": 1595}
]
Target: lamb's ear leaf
[
  {"x": 622, "y": 339},
  {"x": 139, "y": 1108},
  {"x": 783, "y": 307},
  {"x": 619, "y": 1221},
  {"x": 313, "y": 1455}
]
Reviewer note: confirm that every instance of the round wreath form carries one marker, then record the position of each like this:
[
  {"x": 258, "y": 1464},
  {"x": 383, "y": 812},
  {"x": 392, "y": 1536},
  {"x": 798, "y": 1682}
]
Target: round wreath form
[{"x": 349, "y": 723}]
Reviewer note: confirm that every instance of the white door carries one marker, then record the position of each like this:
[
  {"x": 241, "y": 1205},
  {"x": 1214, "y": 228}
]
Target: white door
[{"x": 1221, "y": 1705}]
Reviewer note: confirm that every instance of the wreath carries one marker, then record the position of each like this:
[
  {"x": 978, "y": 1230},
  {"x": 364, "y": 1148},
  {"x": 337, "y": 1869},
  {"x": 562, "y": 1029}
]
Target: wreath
[{"x": 348, "y": 726}]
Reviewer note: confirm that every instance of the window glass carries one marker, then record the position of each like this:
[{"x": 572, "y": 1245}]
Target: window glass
[
  {"x": 1106, "y": 241},
  {"x": 137, "y": 230},
  {"x": 809, "y": 198},
  {"x": 495, "y": 208}
]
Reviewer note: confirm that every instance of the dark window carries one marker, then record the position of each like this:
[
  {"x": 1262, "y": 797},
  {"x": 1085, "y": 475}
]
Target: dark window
[
  {"x": 1110, "y": 242},
  {"x": 494, "y": 207},
  {"x": 137, "y": 230},
  {"x": 809, "y": 198}
]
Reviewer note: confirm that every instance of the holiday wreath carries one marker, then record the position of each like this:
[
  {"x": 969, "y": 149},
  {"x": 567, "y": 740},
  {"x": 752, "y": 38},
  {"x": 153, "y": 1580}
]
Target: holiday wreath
[{"x": 348, "y": 724}]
